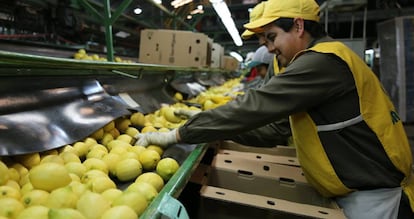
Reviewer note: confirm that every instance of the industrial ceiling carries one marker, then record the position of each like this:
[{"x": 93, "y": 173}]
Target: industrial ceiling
[{"x": 69, "y": 24}]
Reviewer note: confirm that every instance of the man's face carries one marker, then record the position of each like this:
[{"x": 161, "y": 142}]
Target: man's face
[{"x": 283, "y": 44}]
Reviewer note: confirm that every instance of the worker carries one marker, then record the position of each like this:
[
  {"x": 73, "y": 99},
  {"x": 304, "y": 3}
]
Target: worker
[
  {"x": 350, "y": 141},
  {"x": 261, "y": 62}
]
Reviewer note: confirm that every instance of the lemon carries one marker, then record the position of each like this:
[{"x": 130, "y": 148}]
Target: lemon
[
  {"x": 148, "y": 129},
  {"x": 132, "y": 199},
  {"x": 20, "y": 168},
  {"x": 100, "y": 184},
  {"x": 109, "y": 126},
  {"x": 145, "y": 189},
  {"x": 26, "y": 188},
  {"x": 90, "y": 174},
  {"x": 24, "y": 179},
  {"x": 156, "y": 148},
  {"x": 137, "y": 119},
  {"x": 81, "y": 148},
  {"x": 118, "y": 143},
  {"x": 92, "y": 205},
  {"x": 131, "y": 131},
  {"x": 9, "y": 192},
  {"x": 68, "y": 148},
  {"x": 119, "y": 150},
  {"x": 107, "y": 137},
  {"x": 137, "y": 149},
  {"x": 90, "y": 141},
  {"x": 65, "y": 213},
  {"x": 4, "y": 173},
  {"x": 111, "y": 194},
  {"x": 95, "y": 164},
  {"x": 63, "y": 197},
  {"x": 96, "y": 153},
  {"x": 98, "y": 134},
  {"x": 13, "y": 184},
  {"x": 170, "y": 116},
  {"x": 122, "y": 124},
  {"x": 49, "y": 176},
  {"x": 74, "y": 177},
  {"x": 13, "y": 175},
  {"x": 29, "y": 160},
  {"x": 152, "y": 178},
  {"x": 149, "y": 159},
  {"x": 69, "y": 156},
  {"x": 128, "y": 169},
  {"x": 178, "y": 96},
  {"x": 78, "y": 188},
  {"x": 34, "y": 212},
  {"x": 35, "y": 197},
  {"x": 76, "y": 168},
  {"x": 122, "y": 211},
  {"x": 52, "y": 158},
  {"x": 98, "y": 147},
  {"x": 111, "y": 160},
  {"x": 124, "y": 137},
  {"x": 10, "y": 207},
  {"x": 114, "y": 132},
  {"x": 166, "y": 168}
]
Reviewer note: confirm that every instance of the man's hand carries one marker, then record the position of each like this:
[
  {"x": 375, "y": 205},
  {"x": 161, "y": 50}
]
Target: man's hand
[
  {"x": 186, "y": 113},
  {"x": 162, "y": 139}
]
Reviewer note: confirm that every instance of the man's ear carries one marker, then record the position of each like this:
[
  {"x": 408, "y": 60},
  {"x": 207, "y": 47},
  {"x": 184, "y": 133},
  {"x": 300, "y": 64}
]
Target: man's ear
[{"x": 299, "y": 25}]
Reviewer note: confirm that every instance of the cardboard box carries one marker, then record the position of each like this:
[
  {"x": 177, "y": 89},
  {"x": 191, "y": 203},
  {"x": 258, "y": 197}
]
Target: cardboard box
[
  {"x": 285, "y": 160},
  {"x": 280, "y": 150},
  {"x": 217, "y": 53},
  {"x": 243, "y": 188},
  {"x": 175, "y": 47},
  {"x": 230, "y": 63}
]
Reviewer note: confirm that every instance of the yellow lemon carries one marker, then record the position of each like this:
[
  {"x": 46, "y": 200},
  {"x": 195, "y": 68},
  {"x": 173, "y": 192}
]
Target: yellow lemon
[
  {"x": 114, "y": 132},
  {"x": 109, "y": 126},
  {"x": 20, "y": 168},
  {"x": 146, "y": 189},
  {"x": 77, "y": 168},
  {"x": 117, "y": 143},
  {"x": 132, "y": 199},
  {"x": 178, "y": 96},
  {"x": 34, "y": 212},
  {"x": 98, "y": 134},
  {"x": 10, "y": 207},
  {"x": 35, "y": 197},
  {"x": 24, "y": 179},
  {"x": 98, "y": 147},
  {"x": 95, "y": 164},
  {"x": 90, "y": 141},
  {"x": 122, "y": 211},
  {"x": 63, "y": 197},
  {"x": 131, "y": 131},
  {"x": 65, "y": 213},
  {"x": 68, "y": 148},
  {"x": 152, "y": 178},
  {"x": 148, "y": 129},
  {"x": 96, "y": 153},
  {"x": 81, "y": 148},
  {"x": 90, "y": 174},
  {"x": 128, "y": 169},
  {"x": 107, "y": 137},
  {"x": 137, "y": 119},
  {"x": 4, "y": 173},
  {"x": 149, "y": 159},
  {"x": 122, "y": 124},
  {"x": 170, "y": 116},
  {"x": 100, "y": 184},
  {"x": 29, "y": 160},
  {"x": 137, "y": 149},
  {"x": 69, "y": 156},
  {"x": 111, "y": 160},
  {"x": 92, "y": 205},
  {"x": 111, "y": 194},
  {"x": 78, "y": 188},
  {"x": 13, "y": 175},
  {"x": 49, "y": 176},
  {"x": 124, "y": 137},
  {"x": 156, "y": 148},
  {"x": 9, "y": 192},
  {"x": 26, "y": 188},
  {"x": 74, "y": 177},
  {"x": 166, "y": 168},
  {"x": 52, "y": 158},
  {"x": 13, "y": 184}
]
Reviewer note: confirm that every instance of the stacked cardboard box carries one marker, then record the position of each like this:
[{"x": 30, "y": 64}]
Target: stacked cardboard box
[
  {"x": 175, "y": 47},
  {"x": 230, "y": 63},
  {"x": 245, "y": 184}
]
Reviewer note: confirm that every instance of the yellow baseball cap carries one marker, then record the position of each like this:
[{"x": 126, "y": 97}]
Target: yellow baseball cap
[
  {"x": 255, "y": 14},
  {"x": 275, "y": 9}
]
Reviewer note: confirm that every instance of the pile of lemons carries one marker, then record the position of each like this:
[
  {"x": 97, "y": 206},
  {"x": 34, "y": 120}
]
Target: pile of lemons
[
  {"x": 80, "y": 180},
  {"x": 81, "y": 54}
]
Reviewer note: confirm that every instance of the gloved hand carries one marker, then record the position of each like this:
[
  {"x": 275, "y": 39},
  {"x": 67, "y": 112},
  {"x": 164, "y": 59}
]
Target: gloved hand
[
  {"x": 162, "y": 139},
  {"x": 186, "y": 113}
]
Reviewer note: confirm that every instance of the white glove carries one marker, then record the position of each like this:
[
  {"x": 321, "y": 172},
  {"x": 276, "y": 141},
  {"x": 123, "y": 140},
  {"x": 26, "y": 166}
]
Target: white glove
[
  {"x": 186, "y": 113},
  {"x": 162, "y": 139}
]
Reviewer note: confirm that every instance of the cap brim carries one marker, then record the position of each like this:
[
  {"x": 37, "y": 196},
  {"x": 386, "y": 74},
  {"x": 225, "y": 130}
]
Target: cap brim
[
  {"x": 256, "y": 25},
  {"x": 247, "y": 34}
]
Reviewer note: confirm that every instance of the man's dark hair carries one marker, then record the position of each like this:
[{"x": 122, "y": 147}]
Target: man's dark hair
[{"x": 314, "y": 28}]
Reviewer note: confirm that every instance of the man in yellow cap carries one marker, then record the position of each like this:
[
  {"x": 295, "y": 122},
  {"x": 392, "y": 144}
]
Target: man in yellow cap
[{"x": 350, "y": 141}]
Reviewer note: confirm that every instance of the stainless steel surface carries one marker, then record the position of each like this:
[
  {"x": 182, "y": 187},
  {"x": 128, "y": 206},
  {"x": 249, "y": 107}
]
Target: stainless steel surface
[{"x": 40, "y": 113}]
